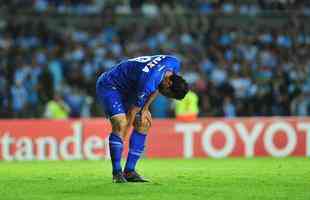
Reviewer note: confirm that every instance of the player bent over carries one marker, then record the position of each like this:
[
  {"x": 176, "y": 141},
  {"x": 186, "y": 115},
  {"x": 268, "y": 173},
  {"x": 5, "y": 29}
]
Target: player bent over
[{"x": 126, "y": 92}]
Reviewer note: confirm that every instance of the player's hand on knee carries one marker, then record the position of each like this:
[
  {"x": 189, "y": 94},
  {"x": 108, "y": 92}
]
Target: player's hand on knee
[
  {"x": 146, "y": 118},
  {"x": 143, "y": 122}
]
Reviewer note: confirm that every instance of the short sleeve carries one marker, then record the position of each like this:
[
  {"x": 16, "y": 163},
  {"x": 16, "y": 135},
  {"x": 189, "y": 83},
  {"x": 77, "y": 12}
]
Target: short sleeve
[{"x": 172, "y": 64}]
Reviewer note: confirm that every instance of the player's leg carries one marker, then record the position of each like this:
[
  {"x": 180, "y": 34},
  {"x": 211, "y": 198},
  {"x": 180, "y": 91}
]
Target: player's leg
[
  {"x": 113, "y": 106},
  {"x": 136, "y": 148},
  {"x": 116, "y": 145}
]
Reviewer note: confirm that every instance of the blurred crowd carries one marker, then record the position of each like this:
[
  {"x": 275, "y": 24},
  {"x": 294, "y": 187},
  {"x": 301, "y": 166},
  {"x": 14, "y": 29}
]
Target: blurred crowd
[
  {"x": 235, "y": 71},
  {"x": 154, "y": 7}
]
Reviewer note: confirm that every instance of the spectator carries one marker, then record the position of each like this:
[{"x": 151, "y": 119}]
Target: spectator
[
  {"x": 187, "y": 108},
  {"x": 229, "y": 108},
  {"x": 19, "y": 99},
  {"x": 56, "y": 108}
]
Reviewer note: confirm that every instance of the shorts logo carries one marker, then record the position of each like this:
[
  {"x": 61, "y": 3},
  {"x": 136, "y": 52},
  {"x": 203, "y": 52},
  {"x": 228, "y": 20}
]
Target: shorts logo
[{"x": 142, "y": 95}]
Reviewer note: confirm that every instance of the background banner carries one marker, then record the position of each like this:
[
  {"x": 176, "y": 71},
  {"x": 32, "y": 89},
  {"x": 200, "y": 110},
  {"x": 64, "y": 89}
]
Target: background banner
[{"x": 207, "y": 137}]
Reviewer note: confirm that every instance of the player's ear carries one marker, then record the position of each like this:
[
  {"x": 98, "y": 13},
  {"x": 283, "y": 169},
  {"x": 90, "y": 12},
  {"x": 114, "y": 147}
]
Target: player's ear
[{"x": 167, "y": 81}]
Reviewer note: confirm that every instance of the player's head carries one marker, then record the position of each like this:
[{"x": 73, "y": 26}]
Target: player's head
[{"x": 173, "y": 86}]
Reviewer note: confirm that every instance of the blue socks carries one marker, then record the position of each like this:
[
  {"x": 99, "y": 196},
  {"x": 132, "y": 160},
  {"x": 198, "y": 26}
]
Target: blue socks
[
  {"x": 136, "y": 148},
  {"x": 116, "y": 150}
]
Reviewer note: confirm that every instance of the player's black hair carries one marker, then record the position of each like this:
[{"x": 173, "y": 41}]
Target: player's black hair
[{"x": 179, "y": 87}]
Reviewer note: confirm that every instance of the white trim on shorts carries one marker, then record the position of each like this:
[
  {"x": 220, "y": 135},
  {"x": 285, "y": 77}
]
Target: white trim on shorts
[{"x": 117, "y": 115}]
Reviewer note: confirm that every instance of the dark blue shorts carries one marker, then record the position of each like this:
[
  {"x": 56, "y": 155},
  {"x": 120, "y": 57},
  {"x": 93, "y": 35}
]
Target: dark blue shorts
[{"x": 111, "y": 99}]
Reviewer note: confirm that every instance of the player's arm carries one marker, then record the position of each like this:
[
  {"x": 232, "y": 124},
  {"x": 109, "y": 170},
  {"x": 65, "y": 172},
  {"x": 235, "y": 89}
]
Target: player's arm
[
  {"x": 150, "y": 100},
  {"x": 147, "y": 92},
  {"x": 131, "y": 114},
  {"x": 145, "y": 112}
]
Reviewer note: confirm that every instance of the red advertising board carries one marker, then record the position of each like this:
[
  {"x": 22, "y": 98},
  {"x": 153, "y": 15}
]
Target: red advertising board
[{"x": 208, "y": 137}]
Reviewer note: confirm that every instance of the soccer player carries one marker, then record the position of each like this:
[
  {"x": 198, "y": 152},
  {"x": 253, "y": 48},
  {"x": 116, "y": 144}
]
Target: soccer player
[{"x": 126, "y": 92}]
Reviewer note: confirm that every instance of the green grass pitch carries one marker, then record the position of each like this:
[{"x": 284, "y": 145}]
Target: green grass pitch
[{"x": 259, "y": 178}]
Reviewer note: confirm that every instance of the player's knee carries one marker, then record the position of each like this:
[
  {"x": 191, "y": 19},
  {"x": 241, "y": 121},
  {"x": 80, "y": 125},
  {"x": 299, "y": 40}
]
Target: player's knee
[
  {"x": 142, "y": 126},
  {"x": 119, "y": 126}
]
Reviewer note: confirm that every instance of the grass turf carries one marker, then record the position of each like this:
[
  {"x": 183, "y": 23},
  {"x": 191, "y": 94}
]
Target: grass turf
[{"x": 262, "y": 178}]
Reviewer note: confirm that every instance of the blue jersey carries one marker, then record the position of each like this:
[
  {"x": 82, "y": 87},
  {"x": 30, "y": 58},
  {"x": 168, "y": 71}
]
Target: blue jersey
[{"x": 139, "y": 77}]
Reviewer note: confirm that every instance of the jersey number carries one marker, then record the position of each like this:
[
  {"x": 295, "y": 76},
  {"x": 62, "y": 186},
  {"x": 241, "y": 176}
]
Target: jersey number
[
  {"x": 141, "y": 59},
  {"x": 149, "y": 65}
]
